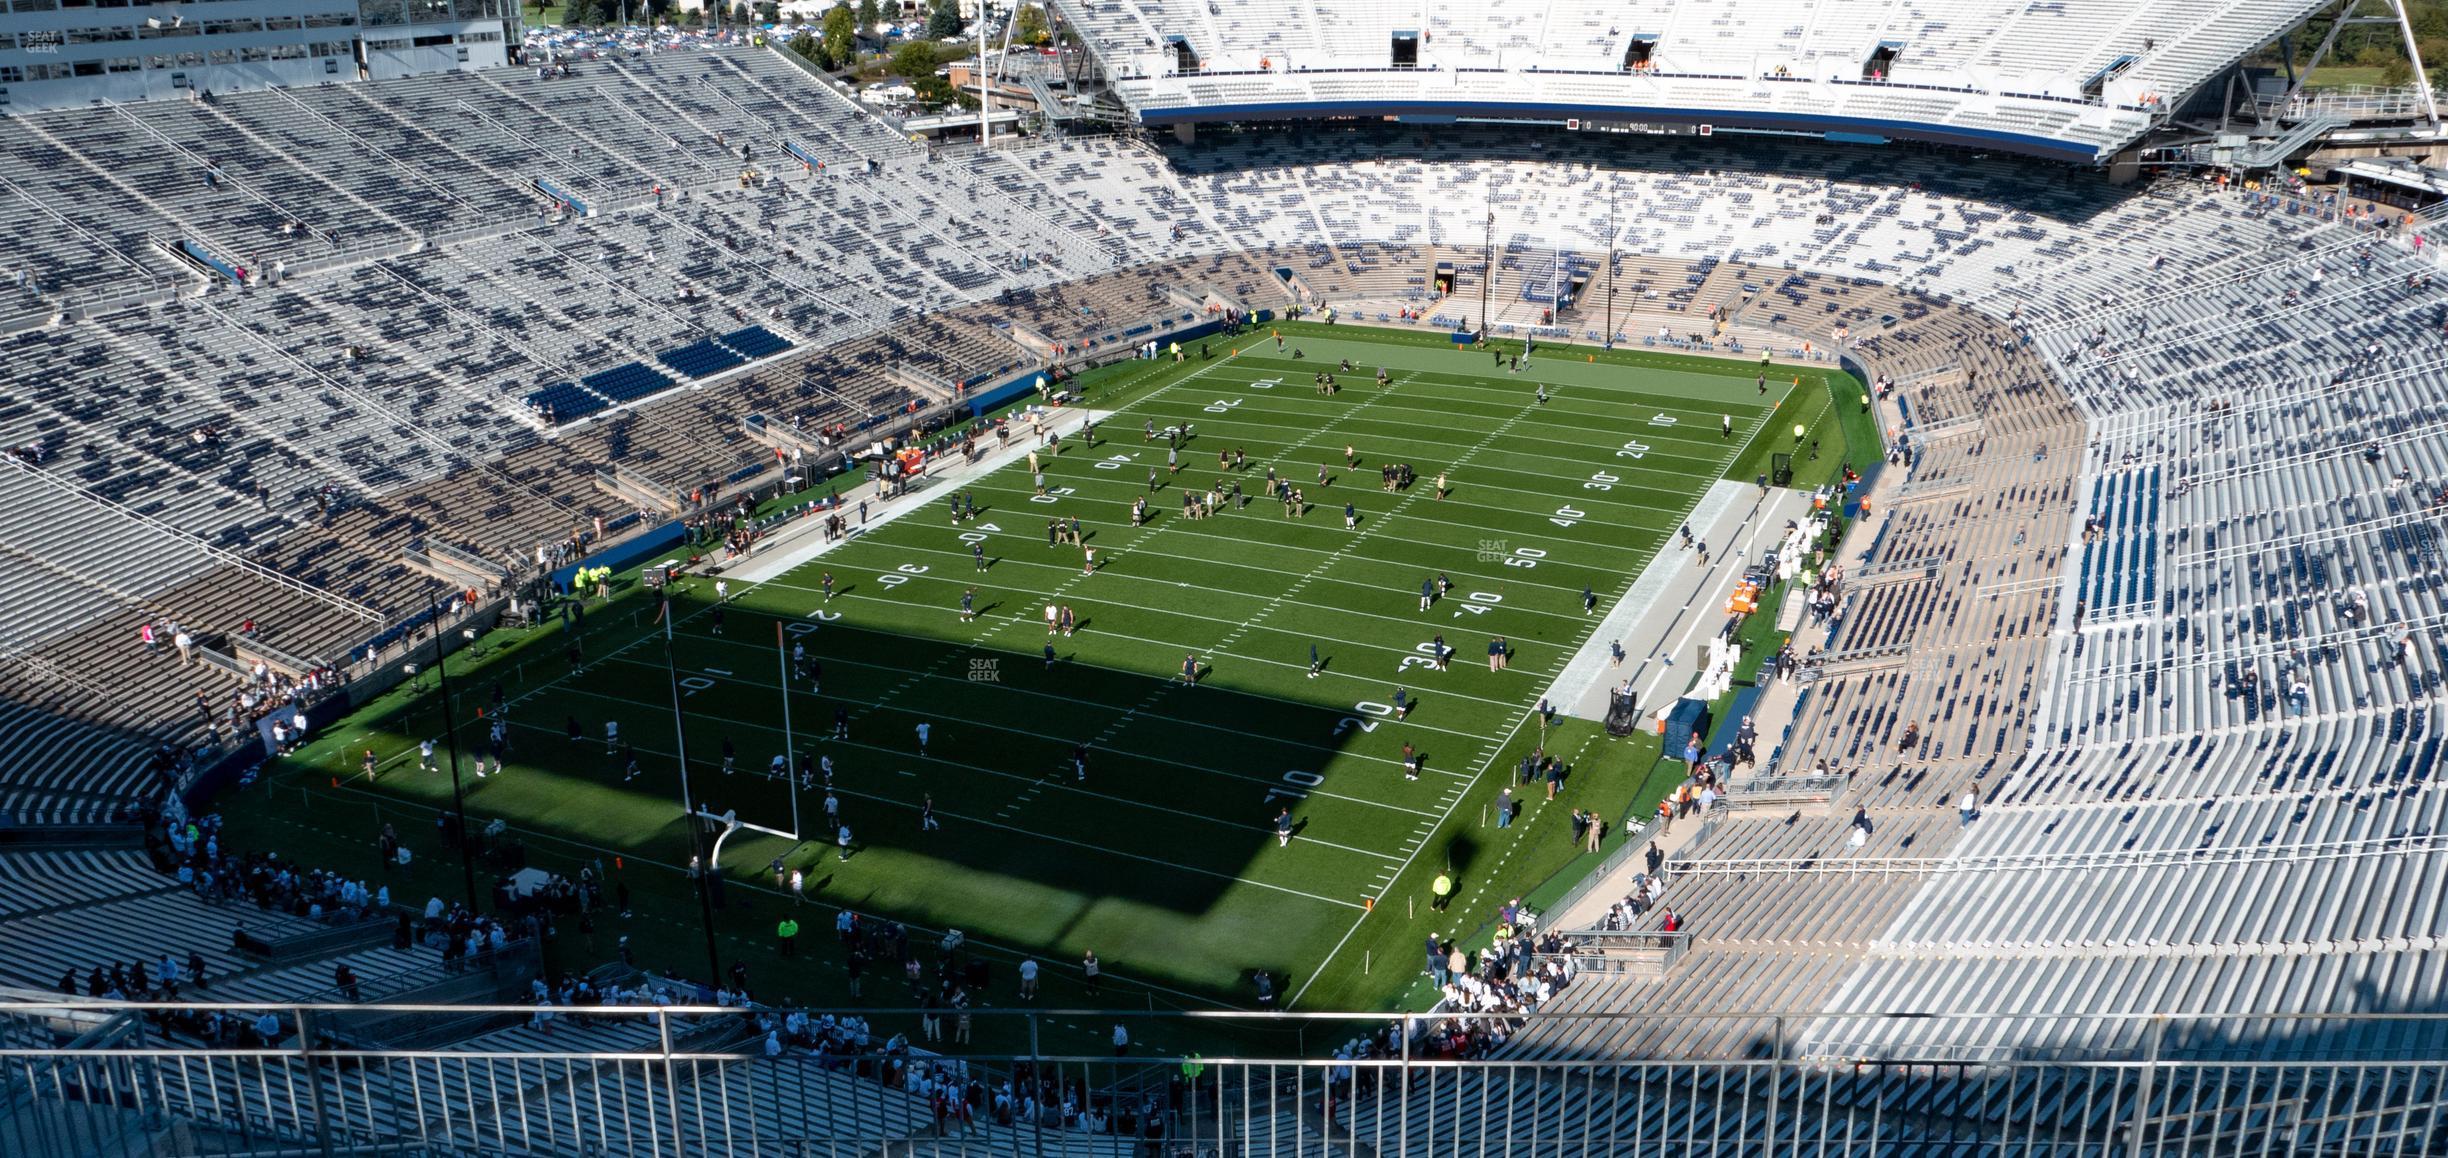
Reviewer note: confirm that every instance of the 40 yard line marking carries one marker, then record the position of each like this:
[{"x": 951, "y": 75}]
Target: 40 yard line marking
[{"x": 1476, "y": 775}]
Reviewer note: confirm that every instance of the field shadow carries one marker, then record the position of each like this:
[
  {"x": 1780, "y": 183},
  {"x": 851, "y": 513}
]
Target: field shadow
[{"x": 1176, "y": 812}]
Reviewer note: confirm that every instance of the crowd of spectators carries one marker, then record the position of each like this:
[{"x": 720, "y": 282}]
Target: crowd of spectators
[
  {"x": 1519, "y": 970},
  {"x": 1647, "y": 891},
  {"x": 192, "y": 852}
]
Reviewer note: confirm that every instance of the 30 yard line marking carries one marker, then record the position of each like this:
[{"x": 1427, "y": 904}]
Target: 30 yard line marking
[{"x": 1485, "y": 762}]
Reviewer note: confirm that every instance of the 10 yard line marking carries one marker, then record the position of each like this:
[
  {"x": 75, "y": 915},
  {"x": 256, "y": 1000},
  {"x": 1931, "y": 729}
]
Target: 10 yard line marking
[{"x": 1484, "y": 763}]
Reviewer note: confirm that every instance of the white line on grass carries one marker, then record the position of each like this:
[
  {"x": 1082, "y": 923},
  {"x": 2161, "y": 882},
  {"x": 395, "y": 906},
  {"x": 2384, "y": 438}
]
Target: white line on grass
[
  {"x": 1610, "y": 461},
  {"x": 905, "y": 805},
  {"x": 1008, "y": 689},
  {"x": 899, "y": 753},
  {"x": 1485, "y": 761}
]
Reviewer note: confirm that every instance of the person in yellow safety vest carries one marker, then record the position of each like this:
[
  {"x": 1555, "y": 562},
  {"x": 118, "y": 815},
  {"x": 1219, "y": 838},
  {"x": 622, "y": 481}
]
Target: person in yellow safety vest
[
  {"x": 1442, "y": 887},
  {"x": 1177, "y": 351},
  {"x": 788, "y": 932}
]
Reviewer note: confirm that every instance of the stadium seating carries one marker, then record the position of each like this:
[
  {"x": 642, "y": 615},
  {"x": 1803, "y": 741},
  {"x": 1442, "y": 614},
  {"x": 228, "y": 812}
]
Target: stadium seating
[
  {"x": 2065, "y": 79},
  {"x": 2231, "y": 383}
]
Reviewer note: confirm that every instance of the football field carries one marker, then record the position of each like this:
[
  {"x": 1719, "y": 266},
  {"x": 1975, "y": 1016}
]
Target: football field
[{"x": 1164, "y": 857}]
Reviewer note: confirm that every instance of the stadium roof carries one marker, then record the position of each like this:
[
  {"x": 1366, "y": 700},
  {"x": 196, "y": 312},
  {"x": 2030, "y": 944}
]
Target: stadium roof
[{"x": 2074, "y": 79}]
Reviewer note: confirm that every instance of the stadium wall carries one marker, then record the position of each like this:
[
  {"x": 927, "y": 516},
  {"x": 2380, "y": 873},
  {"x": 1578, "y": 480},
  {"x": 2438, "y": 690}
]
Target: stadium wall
[{"x": 1851, "y": 130}]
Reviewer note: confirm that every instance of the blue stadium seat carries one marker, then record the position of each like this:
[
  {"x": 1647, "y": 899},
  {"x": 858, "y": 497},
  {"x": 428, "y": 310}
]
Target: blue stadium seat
[
  {"x": 627, "y": 381},
  {"x": 699, "y": 359},
  {"x": 755, "y": 342},
  {"x": 568, "y": 402}
]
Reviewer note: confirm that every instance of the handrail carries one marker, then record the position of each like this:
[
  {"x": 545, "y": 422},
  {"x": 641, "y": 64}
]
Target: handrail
[
  {"x": 223, "y": 178},
  {"x": 703, "y": 169},
  {"x": 1633, "y": 840},
  {"x": 348, "y": 605},
  {"x": 559, "y": 171},
  {"x": 376, "y": 150},
  {"x": 1788, "y": 785},
  {"x": 465, "y": 560},
  {"x": 153, "y": 282},
  {"x": 1627, "y": 950},
  {"x": 241, "y": 648},
  {"x": 1837, "y": 864},
  {"x": 520, "y": 954}
]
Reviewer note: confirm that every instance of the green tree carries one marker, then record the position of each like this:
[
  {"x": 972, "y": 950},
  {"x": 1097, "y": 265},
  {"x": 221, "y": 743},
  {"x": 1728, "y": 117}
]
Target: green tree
[
  {"x": 944, "y": 21},
  {"x": 935, "y": 92},
  {"x": 840, "y": 36},
  {"x": 869, "y": 15},
  {"x": 2430, "y": 20},
  {"x": 915, "y": 60},
  {"x": 2396, "y": 72},
  {"x": 739, "y": 12},
  {"x": 1032, "y": 27},
  {"x": 768, "y": 12},
  {"x": 808, "y": 46}
]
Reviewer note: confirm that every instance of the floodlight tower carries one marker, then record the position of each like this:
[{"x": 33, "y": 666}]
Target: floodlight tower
[{"x": 1487, "y": 270}]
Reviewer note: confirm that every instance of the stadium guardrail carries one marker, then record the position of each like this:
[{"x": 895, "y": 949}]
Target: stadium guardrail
[{"x": 707, "y": 1079}]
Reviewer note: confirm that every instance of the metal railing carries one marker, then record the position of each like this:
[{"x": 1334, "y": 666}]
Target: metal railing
[
  {"x": 703, "y": 1080},
  {"x": 190, "y": 539},
  {"x": 2075, "y": 862},
  {"x": 1648, "y": 952}
]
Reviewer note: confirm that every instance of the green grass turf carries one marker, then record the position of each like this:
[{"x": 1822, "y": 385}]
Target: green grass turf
[{"x": 1162, "y": 860}]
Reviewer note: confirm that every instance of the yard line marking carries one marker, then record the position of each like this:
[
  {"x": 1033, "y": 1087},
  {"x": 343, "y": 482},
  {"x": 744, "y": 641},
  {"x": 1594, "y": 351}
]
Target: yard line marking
[
  {"x": 1041, "y": 835},
  {"x": 1485, "y": 763},
  {"x": 1388, "y": 761},
  {"x": 975, "y": 768}
]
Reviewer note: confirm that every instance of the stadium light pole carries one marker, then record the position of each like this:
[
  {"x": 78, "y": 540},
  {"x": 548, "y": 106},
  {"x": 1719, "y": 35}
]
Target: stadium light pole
[
  {"x": 688, "y": 805},
  {"x": 450, "y": 737},
  {"x": 985, "y": 95},
  {"x": 1613, "y": 188},
  {"x": 1487, "y": 271}
]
